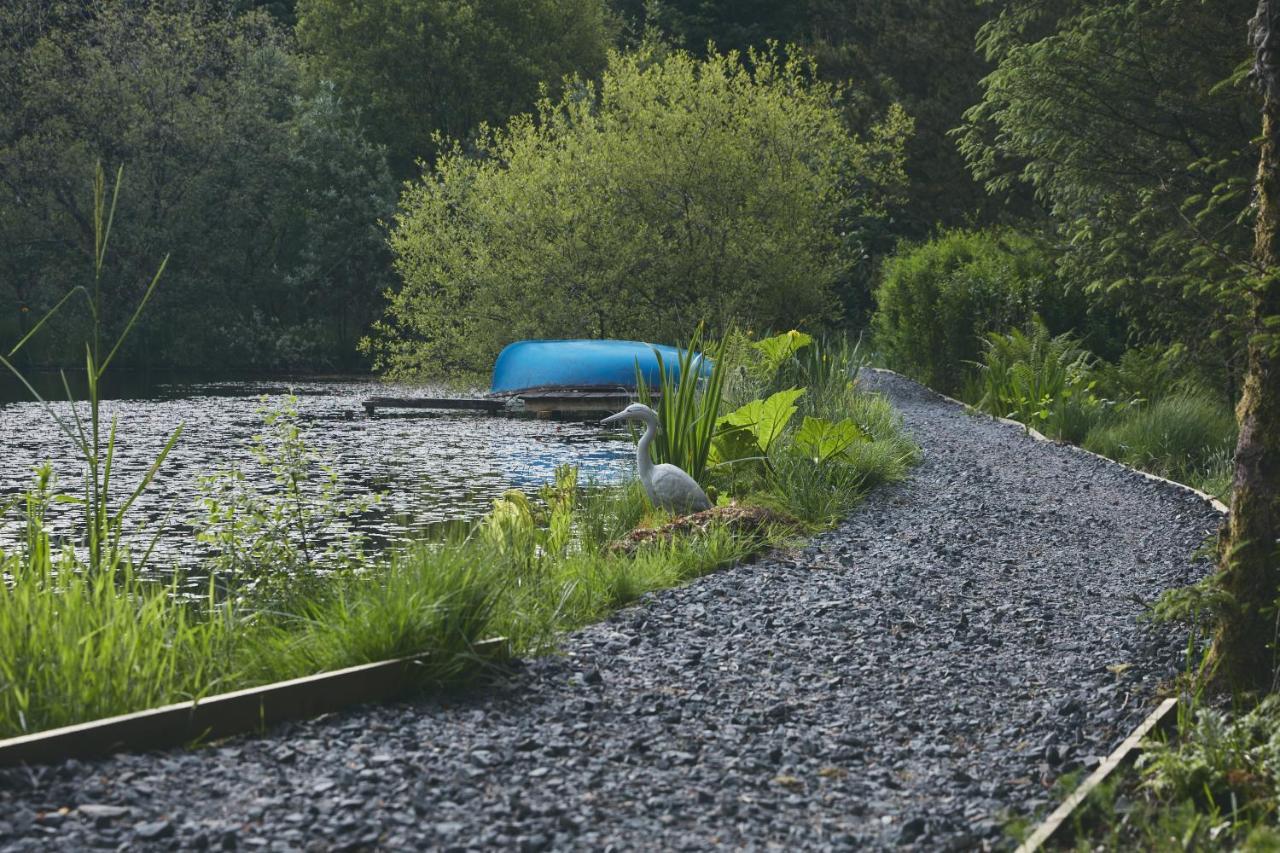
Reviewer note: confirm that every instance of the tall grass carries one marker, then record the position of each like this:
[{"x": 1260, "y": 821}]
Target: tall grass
[
  {"x": 78, "y": 643},
  {"x": 1184, "y": 437},
  {"x": 828, "y": 371},
  {"x": 103, "y": 521},
  {"x": 440, "y": 599}
]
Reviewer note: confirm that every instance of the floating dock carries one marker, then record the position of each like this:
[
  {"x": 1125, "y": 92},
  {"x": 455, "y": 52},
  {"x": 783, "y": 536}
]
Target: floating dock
[{"x": 551, "y": 403}]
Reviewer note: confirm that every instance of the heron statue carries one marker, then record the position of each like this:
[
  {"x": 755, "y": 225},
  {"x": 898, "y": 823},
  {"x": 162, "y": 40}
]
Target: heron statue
[{"x": 667, "y": 486}]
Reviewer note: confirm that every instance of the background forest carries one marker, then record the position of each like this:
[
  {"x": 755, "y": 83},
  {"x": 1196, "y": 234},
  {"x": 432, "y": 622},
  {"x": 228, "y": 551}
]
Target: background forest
[{"x": 934, "y": 169}]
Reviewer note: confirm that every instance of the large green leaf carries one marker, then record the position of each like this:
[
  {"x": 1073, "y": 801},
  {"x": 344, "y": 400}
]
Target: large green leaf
[
  {"x": 822, "y": 439},
  {"x": 733, "y": 444},
  {"x": 765, "y": 419},
  {"x": 779, "y": 348}
]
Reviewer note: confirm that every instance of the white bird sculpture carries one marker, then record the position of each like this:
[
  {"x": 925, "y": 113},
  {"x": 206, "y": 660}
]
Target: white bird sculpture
[{"x": 667, "y": 486}]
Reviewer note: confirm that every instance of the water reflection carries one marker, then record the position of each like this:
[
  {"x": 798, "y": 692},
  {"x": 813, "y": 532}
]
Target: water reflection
[{"x": 429, "y": 467}]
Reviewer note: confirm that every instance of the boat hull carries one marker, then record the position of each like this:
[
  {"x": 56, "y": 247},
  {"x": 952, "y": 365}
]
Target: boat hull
[{"x": 582, "y": 365}]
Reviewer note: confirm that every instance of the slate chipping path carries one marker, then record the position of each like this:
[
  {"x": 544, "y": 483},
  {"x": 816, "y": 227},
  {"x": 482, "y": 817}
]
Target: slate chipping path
[{"x": 908, "y": 680}]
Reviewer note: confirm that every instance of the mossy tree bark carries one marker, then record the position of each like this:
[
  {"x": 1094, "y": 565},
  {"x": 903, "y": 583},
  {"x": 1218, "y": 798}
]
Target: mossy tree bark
[{"x": 1246, "y": 650}]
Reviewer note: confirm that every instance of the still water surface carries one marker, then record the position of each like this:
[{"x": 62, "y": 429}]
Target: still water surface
[{"x": 429, "y": 467}]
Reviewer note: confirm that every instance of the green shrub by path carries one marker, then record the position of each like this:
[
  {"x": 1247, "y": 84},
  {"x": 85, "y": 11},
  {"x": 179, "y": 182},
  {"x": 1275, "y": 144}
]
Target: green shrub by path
[
  {"x": 1041, "y": 380},
  {"x": 1147, "y": 410},
  {"x": 1183, "y": 437},
  {"x": 1211, "y": 784},
  {"x": 938, "y": 299}
]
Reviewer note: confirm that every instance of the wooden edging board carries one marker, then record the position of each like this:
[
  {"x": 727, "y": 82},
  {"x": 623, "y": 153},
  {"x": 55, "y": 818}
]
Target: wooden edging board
[
  {"x": 1123, "y": 753},
  {"x": 225, "y": 714}
]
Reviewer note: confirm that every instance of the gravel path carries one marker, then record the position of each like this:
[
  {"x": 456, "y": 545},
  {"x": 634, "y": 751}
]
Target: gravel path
[{"x": 912, "y": 678}]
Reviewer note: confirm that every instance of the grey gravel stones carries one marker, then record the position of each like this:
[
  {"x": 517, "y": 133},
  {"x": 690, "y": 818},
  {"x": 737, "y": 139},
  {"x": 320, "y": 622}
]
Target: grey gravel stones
[{"x": 909, "y": 680}]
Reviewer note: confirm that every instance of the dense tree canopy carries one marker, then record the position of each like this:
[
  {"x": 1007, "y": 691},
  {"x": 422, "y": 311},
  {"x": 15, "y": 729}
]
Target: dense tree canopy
[
  {"x": 1129, "y": 121},
  {"x": 679, "y": 190},
  {"x": 418, "y": 67},
  {"x": 266, "y": 198}
]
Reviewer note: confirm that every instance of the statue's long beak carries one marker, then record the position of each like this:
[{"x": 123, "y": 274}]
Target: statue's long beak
[{"x": 614, "y": 418}]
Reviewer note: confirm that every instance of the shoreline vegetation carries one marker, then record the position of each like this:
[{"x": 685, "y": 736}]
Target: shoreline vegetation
[{"x": 293, "y": 592}]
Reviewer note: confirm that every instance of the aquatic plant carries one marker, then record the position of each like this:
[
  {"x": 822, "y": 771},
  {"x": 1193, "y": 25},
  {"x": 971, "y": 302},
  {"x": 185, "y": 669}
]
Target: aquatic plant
[
  {"x": 687, "y": 406},
  {"x": 94, "y": 443},
  {"x": 275, "y": 543}
]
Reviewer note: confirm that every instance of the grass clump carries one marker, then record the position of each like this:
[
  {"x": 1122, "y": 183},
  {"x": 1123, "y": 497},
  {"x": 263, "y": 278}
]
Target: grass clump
[
  {"x": 1186, "y": 437},
  {"x": 441, "y": 599},
  {"x": 78, "y": 643}
]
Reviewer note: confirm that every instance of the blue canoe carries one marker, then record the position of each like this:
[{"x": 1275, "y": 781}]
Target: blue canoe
[{"x": 581, "y": 365}]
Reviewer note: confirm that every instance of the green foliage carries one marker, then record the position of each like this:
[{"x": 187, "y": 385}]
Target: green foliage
[
  {"x": 1181, "y": 437},
  {"x": 421, "y": 67},
  {"x": 103, "y": 521},
  {"x": 1222, "y": 763},
  {"x": 257, "y": 184},
  {"x": 779, "y": 349},
  {"x": 846, "y": 442},
  {"x": 1132, "y": 124},
  {"x": 436, "y": 599},
  {"x": 1153, "y": 372},
  {"x": 687, "y": 407},
  {"x": 760, "y": 421},
  {"x": 77, "y": 644},
  {"x": 821, "y": 439},
  {"x": 828, "y": 371},
  {"x": 919, "y": 53},
  {"x": 937, "y": 300},
  {"x": 677, "y": 189},
  {"x": 275, "y": 544},
  {"x": 516, "y": 528},
  {"x": 1040, "y": 380}
]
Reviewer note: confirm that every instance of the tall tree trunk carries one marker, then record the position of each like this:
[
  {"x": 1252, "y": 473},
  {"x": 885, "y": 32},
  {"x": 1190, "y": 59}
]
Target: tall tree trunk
[{"x": 1246, "y": 650}]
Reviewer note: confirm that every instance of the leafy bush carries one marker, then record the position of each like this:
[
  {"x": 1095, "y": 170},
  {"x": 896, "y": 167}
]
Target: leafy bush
[
  {"x": 937, "y": 300},
  {"x": 636, "y": 209},
  {"x": 1042, "y": 381},
  {"x": 1184, "y": 437},
  {"x": 1155, "y": 371}
]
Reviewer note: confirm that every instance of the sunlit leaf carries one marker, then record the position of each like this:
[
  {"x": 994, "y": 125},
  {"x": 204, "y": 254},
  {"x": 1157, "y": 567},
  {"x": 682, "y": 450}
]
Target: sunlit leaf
[{"x": 821, "y": 439}]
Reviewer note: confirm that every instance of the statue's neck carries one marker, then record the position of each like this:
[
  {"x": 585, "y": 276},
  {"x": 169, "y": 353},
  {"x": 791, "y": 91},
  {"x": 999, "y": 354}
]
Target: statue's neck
[{"x": 644, "y": 462}]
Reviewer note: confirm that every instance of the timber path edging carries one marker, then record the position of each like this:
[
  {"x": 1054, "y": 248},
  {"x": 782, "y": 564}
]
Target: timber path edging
[
  {"x": 224, "y": 714},
  {"x": 911, "y": 679}
]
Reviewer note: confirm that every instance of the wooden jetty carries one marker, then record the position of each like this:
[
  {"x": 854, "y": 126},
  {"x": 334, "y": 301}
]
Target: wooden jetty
[{"x": 538, "y": 403}]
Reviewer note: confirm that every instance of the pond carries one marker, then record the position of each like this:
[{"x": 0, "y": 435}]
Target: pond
[{"x": 429, "y": 467}]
